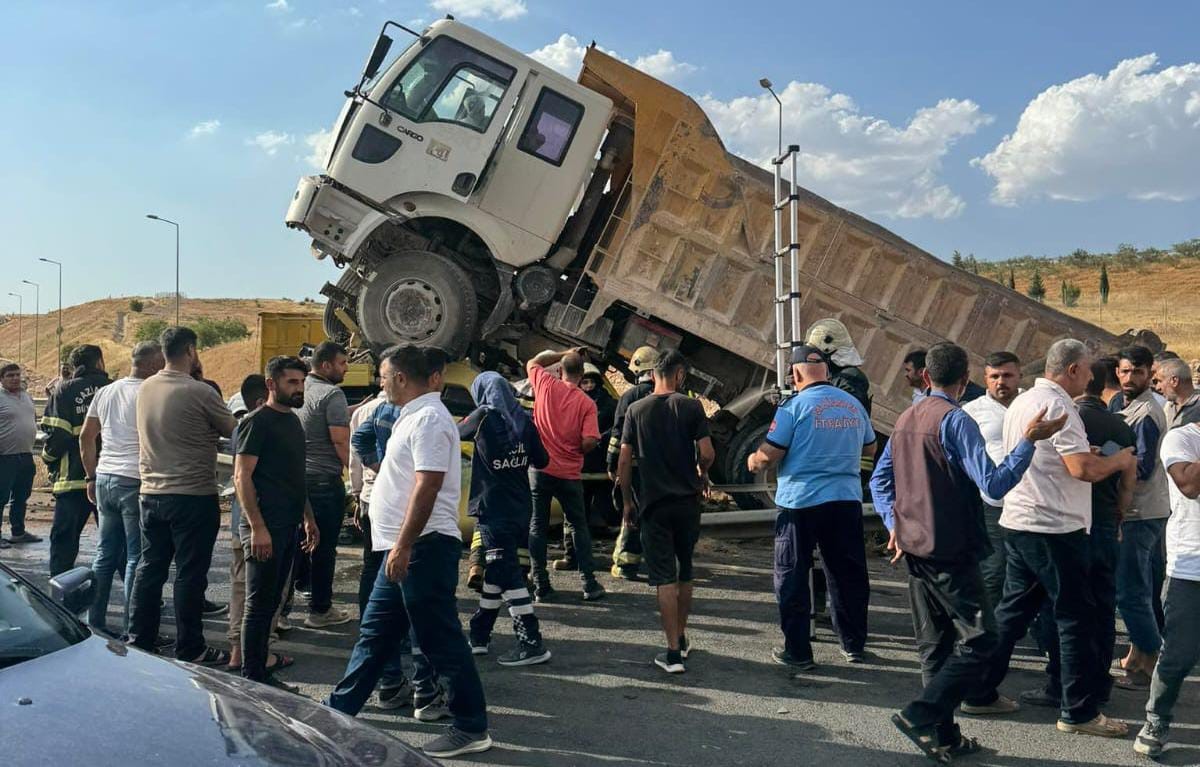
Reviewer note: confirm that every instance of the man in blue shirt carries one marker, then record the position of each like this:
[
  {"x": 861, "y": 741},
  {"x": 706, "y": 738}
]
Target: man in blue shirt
[
  {"x": 818, "y": 438},
  {"x": 926, "y": 488}
]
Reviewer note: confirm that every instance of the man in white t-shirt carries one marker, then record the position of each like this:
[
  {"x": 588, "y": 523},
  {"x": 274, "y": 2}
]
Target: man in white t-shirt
[
  {"x": 414, "y": 517},
  {"x": 1046, "y": 521},
  {"x": 114, "y": 480},
  {"x": 1181, "y": 632},
  {"x": 1002, "y": 375}
]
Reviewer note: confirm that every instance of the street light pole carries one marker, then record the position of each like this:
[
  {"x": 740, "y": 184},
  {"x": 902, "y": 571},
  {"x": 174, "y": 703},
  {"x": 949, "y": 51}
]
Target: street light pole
[
  {"x": 37, "y": 311},
  {"x": 20, "y": 323},
  {"x": 174, "y": 224},
  {"x": 58, "y": 364},
  {"x": 764, "y": 82}
]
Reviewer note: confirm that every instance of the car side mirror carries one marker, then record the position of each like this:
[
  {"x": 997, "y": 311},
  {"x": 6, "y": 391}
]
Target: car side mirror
[{"x": 74, "y": 589}]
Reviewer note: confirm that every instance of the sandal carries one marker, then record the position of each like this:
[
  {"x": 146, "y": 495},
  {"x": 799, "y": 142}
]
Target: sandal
[
  {"x": 1132, "y": 680},
  {"x": 212, "y": 658},
  {"x": 275, "y": 661},
  {"x": 964, "y": 747},
  {"x": 923, "y": 739}
]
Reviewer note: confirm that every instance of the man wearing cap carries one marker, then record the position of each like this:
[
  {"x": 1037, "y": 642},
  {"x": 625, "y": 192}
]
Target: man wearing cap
[
  {"x": 627, "y": 553},
  {"x": 818, "y": 437}
]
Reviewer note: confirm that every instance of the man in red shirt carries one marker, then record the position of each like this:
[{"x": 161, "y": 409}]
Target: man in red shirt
[{"x": 566, "y": 421}]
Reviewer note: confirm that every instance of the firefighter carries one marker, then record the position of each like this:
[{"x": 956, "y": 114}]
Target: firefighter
[{"x": 627, "y": 552}]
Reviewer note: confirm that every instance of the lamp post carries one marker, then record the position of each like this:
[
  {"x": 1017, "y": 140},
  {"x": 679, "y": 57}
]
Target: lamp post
[
  {"x": 764, "y": 82},
  {"x": 174, "y": 224},
  {"x": 20, "y": 323},
  {"x": 58, "y": 332},
  {"x": 37, "y": 310}
]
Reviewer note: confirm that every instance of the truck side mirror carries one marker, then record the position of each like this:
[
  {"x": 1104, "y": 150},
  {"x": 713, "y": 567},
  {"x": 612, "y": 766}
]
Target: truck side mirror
[{"x": 382, "y": 46}]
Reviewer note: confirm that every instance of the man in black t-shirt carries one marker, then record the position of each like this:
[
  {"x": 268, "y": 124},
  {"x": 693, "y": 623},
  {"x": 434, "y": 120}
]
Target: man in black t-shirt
[
  {"x": 1111, "y": 496},
  {"x": 667, "y": 433},
  {"x": 268, "y": 472}
]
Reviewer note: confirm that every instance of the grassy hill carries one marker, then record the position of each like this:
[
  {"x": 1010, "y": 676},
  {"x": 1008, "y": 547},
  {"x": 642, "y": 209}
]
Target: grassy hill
[{"x": 111, "y": 324}]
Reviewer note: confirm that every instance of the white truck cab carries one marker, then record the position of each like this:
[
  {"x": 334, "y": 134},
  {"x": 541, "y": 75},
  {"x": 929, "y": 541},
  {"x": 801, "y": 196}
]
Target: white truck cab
[{"x": 463, "y": 150}]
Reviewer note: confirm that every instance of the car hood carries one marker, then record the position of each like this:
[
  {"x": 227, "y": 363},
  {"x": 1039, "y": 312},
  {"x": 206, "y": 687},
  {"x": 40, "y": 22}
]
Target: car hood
[{"x": 101, "y": 702}]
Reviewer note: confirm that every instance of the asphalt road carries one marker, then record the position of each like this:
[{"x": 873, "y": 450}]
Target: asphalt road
[{"x": 600, "y": 701}]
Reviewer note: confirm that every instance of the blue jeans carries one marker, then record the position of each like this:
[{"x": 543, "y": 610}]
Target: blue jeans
[
  {"x": 424, "y": 601},
  {"x": 1135, "y": 581},
  {"x": 120, "y": 544},
  {"x": 1180, "y": 651}
]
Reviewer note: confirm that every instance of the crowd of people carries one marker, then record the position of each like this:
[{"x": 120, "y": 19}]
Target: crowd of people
[{"x": 1045, "y": 511}]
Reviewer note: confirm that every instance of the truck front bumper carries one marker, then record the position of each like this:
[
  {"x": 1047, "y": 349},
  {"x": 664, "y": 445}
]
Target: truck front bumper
[{"x": 328, "y": 214}]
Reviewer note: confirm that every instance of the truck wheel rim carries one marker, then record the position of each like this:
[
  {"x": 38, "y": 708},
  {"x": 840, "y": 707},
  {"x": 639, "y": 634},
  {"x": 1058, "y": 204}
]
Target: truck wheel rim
[{"x": 413, "y": 309}]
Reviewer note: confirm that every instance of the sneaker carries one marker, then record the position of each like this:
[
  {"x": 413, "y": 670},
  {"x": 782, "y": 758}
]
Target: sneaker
[
  {"x": 456, "y": 743},
  {"x": 685, "y": 647},
  {"x": 304, "y": 592},
  {"x": 334, "y": 616},
  {"x": 854, "y": 656},
  {"x": 283, "y": 625},
  {"x": 478, "y": 647},
  {"x": 1101, "y": 727},
  {"x": 525, "y": 655},
  {"x": 543, "y": 593},
  {"x": 279, "y": 684},
  {"x": 1151, "y": 740},
  {"x": 431, "y": 710},
  {"x": 214, "y": 608},
  {"x": 563, "y": 565},
  {"x": 623, "y": 573},
  {"x": 475, "y": 579},
  {"x": 669, "y": 664},
  {"x": 785, "y": 658},
  {"x": 397, "y": 696},
  {"x": 25, "y": 538},
  {"x": 593, "y": 591},
  {"x": 4, "y": 544},
  {"x": 1040, "y": 698},
  {"x": 1000, "y": 706}
]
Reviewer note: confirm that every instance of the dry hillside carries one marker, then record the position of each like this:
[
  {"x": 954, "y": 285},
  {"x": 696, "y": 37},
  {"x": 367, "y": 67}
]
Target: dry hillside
[{"x": 110, "y": 324}]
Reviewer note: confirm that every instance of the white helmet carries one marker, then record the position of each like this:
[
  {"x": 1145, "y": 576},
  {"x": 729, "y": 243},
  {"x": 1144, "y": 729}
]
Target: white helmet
[{"x": 832, "y": 337}]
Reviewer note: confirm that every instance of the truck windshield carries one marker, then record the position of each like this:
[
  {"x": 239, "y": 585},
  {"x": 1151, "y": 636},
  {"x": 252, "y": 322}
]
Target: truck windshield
[
  {"x": 450, "y": 82},
  {"x": 30, "y": 626}
]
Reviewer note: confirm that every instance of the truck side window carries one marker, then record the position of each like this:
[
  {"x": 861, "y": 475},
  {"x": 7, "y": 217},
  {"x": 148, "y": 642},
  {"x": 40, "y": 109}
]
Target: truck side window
[
  {"x": 551, "y": 127},
  {"x": 450, "y": 82}
]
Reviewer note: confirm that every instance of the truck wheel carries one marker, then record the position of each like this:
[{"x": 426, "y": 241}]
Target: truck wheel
[
  {"x": 420, "y": 298},
  {"x": 746, "y": 440}
]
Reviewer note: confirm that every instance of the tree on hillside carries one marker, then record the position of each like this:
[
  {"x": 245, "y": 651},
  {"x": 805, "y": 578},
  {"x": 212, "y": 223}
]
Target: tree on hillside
[
  {"x": 1012, "y": 279},
  {"x": 1070, "y": 293},
  {"x": 971, "y": 263},
  {"x": 1189, "y": 249},
  {"x": 956, "y": 259},
  {"x": 1103, "y": 284},
  {"x": 1037, "y": 290}
]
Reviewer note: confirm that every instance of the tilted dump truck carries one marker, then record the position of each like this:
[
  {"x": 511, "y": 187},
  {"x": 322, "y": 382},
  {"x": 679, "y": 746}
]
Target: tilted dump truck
[{"x": 478, "y": 201}]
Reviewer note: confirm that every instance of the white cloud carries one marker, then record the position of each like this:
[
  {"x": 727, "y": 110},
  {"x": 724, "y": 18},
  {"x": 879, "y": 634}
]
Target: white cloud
[
  {"x": 270, "y": 141},
  {"x": 565, "y": 55},
  {"x": 864, "y": 163},
  {"x": 354, "y": 11},
  {"x": 505, "y": 10},
  {"x": 1134, "y": 133},
  {"x": 318, "y": 145},
  {"x": 205, "y": 128},
  {"x": 281, "y": 6}
]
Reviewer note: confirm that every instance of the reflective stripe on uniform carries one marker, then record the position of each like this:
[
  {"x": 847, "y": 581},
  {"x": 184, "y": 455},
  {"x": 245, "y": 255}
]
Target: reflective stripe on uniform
[
  {"x": 53, "y": 422},
  {"x": 68, "y": 485}
]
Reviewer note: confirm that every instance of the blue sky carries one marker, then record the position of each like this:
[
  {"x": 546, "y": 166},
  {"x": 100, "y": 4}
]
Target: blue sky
[{"x": 998, "y": 129}]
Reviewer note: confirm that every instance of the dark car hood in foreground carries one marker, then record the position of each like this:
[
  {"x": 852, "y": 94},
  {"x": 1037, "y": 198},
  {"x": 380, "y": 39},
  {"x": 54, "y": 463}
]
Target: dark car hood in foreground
[{"x": 101, "y": 703}]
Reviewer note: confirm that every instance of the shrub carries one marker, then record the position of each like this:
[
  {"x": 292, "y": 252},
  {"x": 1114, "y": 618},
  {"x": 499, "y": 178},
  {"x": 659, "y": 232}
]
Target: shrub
[
  {"x": 136, "y": 305},
  {"x": 1037, "y": 290},
  {"x": 150, "y": 330},
  {"x": 213, "y": 332}
]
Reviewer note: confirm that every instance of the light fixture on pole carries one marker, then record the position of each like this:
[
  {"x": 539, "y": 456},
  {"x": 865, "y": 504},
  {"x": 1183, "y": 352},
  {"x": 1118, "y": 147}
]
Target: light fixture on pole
[
  {"x": 764, "y": 82},
  {"x": 20, "y": 323},
  {"x": 59, "y": 331},
  {"x": 176, "y": 225},
  {"x": 37, "y": 310}
]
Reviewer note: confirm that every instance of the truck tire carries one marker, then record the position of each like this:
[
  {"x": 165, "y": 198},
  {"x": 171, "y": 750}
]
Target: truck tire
[
  {"x": 420, "y": 298},
  {"x": 746, "y": 439}
]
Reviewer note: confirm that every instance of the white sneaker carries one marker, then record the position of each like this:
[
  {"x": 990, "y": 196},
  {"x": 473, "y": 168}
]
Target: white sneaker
[
  {"x": 283, "y": 624},
  {"x": 335, "y": 616},
  {"x": 433, "y": 710}
]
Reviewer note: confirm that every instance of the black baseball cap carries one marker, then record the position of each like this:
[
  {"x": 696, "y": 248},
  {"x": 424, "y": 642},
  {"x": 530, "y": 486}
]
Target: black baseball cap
[{"x": 808, "y": 353}]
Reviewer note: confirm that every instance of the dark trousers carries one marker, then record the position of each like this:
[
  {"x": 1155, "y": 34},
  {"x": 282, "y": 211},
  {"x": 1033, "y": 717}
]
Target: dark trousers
[
  {"x": 71, "y": 512},
  {"x": 1180, "y": 650},
  {"x": 503, "y": 581},
  {"x": 1105, "y": 551},
  {"x": 569, "y": 493},
  {"x": 182, "y": 528},
  {"x": 327, "y": 496},
  {"x": 993, "y": 566},
  {"x": 837, "y": 529},
  {"x": 16, "y": 485},
  {"x": 956, "y": 637},
  {"x": 1058, "y": 567},
  {"x": 265, "y": 581},
  {"x": 424, "y": 601}
]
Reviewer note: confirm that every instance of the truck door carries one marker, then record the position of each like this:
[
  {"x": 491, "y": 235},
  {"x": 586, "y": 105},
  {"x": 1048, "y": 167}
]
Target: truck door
[{"x": 443, "y": 108}]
